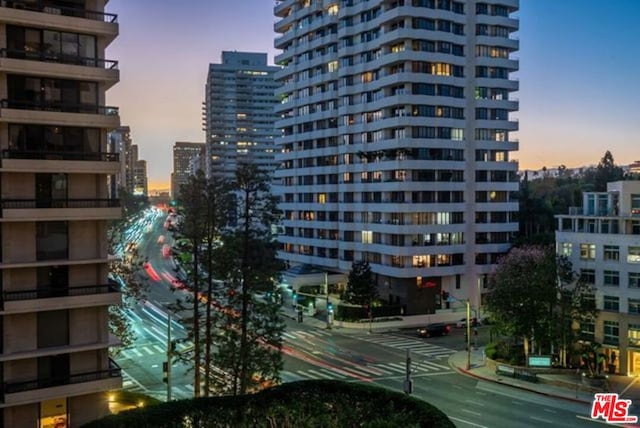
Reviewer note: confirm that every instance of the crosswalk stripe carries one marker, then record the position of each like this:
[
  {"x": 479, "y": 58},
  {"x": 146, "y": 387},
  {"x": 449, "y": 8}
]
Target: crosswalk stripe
[
  {"x": 159, "y": 349},
  {"x": 127, "y": 383},
  {"x": 435, "y": 365},
  {"x": 367, "y": 370},
  {"x": 390, "y": 366},
  {"x": 148, "y": 351},
  {"x": 288, "y": 335},
  {"x": 334, "y": 375},
  {"x": 137, "y": 352},
  {"x": 318, "y": 373}
]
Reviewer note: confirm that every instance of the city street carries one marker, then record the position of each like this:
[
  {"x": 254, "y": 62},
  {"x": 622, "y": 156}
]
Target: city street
[{"x": 312, "y": 353}]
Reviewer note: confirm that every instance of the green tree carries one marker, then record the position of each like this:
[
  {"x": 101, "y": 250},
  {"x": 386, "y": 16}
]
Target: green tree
[
  {"x": 361, "y": 288},
  {"x": 522, "y": 293},
  {"x": 192, "y": 209},
  {"x": 126, "y": 270},
  {"x": 249, "y": 336},
  {"x": 607, "y": 171}
]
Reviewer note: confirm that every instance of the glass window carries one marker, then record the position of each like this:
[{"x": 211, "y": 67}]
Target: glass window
[
  {"x": 634, "y": 334},
  {"x": 611, "y": 253},
  {"x": 634, "y": 280},
  {"x": 611, "y": 303},
  {"x": 611, "y": 332},
  {"x": 634, "y": 306},
  {"x": 566, "y": 249},
  {"x": 587, "y": 251},
  {"x": 588, "y": 276},
  {"x": 52, "y": 240},
  {"x": 633, "y": 255},
  {"x": 587, "y": 331},
  {"x": 611, "y": 278}
]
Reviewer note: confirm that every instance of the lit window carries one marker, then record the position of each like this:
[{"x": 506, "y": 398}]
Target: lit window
[
  {"x": 633, "y": 255},
  {"x": 322, "y": 198},
  {"x": 367, "y": 237},
  {"x": 333, "y": 9},
  {"x": 332, "y": 66},
  {"x": 587, "y": 251},
  {"x": 566, "y": 248}
]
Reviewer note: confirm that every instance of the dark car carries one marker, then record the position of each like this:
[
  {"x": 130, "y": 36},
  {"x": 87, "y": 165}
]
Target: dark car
[{"x": 435, "y": 329}]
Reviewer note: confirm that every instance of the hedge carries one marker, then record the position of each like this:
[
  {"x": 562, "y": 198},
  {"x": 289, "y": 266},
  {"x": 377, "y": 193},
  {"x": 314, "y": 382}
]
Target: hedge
[
  {"x": 314, "y": 403},
  {"x": 355, "y": 313}
]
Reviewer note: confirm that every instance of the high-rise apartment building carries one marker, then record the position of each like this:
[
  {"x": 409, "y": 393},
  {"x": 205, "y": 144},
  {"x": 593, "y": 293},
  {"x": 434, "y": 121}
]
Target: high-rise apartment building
[
  {"x": 397, "y": 139},
  {"x": 601, "y": 238},
  {"x": 183, "y": 155},
  {"x": 239, "y": 113},
  {"x": 140, "y": 186},
  {"x": 54, "y": 209},
  {"x": 120, "y": 142}
]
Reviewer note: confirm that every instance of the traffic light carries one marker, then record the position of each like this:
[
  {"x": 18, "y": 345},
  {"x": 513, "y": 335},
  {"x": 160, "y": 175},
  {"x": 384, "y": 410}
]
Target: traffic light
[{"x": 330, "y": 307}]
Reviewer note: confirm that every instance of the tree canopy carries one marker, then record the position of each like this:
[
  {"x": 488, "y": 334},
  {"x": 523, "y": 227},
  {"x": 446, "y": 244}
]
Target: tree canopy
[{"x": 361, "y": 288}]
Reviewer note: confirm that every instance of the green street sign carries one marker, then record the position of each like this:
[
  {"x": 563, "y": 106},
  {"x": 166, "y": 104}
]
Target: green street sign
[{"x": 539, "y": 361}]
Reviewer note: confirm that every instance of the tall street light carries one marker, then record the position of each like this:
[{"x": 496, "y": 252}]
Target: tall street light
[{"x": 467, "y": 302}]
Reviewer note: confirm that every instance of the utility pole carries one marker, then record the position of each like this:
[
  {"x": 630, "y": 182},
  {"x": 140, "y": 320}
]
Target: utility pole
[
  {"x": 169, "y": 357},
  {"x": 408, "y": 383},
  {"x": 468, "y": 334},
  {"x": 326, "y": 289}
]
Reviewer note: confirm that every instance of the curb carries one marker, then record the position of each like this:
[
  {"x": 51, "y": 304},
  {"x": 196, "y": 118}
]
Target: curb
[{"x": 477, "y": 376}]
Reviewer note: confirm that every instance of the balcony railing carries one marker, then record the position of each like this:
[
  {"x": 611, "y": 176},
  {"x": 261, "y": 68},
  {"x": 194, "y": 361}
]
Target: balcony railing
[
  {"x": 46, "y": 293},
  {"x": 59, "y": 107},
  {"x": 58, "y": 203},
  {"x": 112, "y": 372},
  {"x": 59, "y": 155},
  {"x": 59, "y": 58},
  {"x": 53, "y": 9}
]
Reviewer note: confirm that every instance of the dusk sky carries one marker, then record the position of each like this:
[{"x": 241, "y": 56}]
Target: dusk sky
[{"x": 579, "y": 74}]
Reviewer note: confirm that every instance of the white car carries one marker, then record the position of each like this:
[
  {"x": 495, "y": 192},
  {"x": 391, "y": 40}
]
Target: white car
[{"x": 462, "y": 323}]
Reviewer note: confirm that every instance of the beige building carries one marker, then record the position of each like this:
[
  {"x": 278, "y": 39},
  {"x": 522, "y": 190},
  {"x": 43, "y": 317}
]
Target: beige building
[
  {"x": 186, "y": 157},
  {"x": 54, "y": 209}
]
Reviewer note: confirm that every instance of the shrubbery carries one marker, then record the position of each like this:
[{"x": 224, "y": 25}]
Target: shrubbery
[{"x": 316, "y": 403}]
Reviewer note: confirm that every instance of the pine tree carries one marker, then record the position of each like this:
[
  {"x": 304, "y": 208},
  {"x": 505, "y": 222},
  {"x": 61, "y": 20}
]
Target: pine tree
[
  {"x": 192, "y": 208},
  {"x": 361, "y": 288},
  {"x": 250, "y": 330}
]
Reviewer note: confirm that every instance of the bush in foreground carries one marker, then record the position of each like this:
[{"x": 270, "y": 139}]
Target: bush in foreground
[{"x": 317, "y": 403}]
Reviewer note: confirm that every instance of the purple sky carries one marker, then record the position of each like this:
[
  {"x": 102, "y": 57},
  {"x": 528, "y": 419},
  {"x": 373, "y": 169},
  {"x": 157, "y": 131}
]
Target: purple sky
[{"x": 579, "y": 62}]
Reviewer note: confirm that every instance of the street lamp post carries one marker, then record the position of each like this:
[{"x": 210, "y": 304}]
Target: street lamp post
[
  {"x": 468, "y": 335},
  {"x": 468, "y": 326},
  {"x": 326, "y": 289}
]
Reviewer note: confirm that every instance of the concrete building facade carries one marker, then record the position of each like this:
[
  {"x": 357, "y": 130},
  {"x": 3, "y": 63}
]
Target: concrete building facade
[
  {"x": 184, "y": 154},
  {"x": 54, "y": 208},
  {"x": 602, "y": 240},
  {"x": 396, "y": 141},
  {"x": 239, "y": 113},
  {"x": 120, "y": 143}
]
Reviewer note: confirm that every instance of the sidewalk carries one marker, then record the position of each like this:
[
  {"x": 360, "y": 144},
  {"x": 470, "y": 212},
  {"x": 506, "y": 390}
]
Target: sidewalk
[{"x": 563, "y": 386}]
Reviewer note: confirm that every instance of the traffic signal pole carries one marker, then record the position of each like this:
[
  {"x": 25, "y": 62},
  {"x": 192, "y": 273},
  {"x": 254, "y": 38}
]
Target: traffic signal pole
[
  {"x": 169, "y": 356},
  {"x": 468, "y": 335}
]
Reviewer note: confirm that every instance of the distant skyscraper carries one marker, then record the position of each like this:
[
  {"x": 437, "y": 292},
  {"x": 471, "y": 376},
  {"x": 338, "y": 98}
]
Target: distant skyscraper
[
  {"x": 120, "y": 142},
  {"x": 239, "y": 113},
  {"x": 183, "y": 163},
  {"x": 140, "y": 186},
  {"x": 55, "y": 210},
  {"x": 396, "y": 141}
]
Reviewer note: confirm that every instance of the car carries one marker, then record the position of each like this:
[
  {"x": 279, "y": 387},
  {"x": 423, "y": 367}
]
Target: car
[
  {"x": 475, "y": 322},
  {"x": 434, "y": 329}
]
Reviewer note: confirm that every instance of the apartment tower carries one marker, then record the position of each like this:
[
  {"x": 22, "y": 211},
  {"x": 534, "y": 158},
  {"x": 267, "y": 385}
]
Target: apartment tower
[
  {"x": 396, "y": 141},
  {"x": 184, "y": 154},
  {"x": 239, "y": 113},
  {"x": 55, "y": 205}
]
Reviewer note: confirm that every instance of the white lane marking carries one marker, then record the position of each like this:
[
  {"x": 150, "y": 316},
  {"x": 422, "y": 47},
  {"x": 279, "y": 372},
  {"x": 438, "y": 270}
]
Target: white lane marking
[
  {"x": 547, "y": 421},
  {"x": 517, "y": 402},
  {"x": 550, "y": 411},
  {"x": 474, "y": 402},
  {"x": 392, "y": 366},
  {"x": 159, "y": 349},
  {"x": 288, "y": 335},
  {"x": 127, "y": 383},
  {"x": 471, "y": 412},
  {"x": 317, "y": 373},
  {"x": 148, "y": 351},
  {"x": 467, "y": 422},
  {"x": 481, "y": 393},
  {"x": 628, "y": 386},
  {"x": 334, "y": 374},
  {"x": 137, "y": 352}
]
